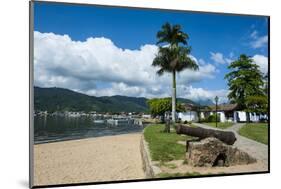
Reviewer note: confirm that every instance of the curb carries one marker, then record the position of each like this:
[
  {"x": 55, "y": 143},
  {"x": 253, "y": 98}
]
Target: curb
[{"x": 149, "y": 167}]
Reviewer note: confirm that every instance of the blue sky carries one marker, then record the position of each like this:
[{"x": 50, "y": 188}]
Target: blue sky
[{"x": 216, "y": 40}]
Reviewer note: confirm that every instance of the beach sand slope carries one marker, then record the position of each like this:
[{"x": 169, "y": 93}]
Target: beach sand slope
[{"x": 108, "y": 158}]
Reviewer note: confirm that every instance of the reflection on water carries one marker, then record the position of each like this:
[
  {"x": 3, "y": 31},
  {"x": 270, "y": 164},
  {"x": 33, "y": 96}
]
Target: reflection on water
[{"x": 59, "y": 128}]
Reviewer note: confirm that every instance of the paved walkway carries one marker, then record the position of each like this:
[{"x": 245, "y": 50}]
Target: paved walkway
[{"x": 256, "y": 149}]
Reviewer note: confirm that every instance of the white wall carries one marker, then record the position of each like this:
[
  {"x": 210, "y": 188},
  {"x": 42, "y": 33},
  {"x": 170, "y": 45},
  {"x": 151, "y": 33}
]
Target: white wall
[
  {"x": 146, "y": 116},
  {"x": 253, "y": 116},
  {"x": 222, "y": 116},
  {"x": 241, "y": 116},
  {"x": 188, "y": 116},
  {"x": 202, "y": 115}
]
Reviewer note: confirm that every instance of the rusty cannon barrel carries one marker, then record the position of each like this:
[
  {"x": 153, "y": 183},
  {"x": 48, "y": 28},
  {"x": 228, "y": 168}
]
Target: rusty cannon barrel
[{"x": 227, "y": 137}]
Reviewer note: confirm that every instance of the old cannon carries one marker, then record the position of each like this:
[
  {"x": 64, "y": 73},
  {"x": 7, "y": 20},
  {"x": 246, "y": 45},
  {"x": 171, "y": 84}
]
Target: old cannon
[{"x": 227, "y": 137}]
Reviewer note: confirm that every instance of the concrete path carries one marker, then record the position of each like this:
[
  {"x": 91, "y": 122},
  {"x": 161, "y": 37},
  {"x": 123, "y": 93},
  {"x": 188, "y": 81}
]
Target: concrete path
[{"x": 256, "y": 149}]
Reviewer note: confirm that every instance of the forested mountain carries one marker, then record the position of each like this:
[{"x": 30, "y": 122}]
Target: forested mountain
[{"x": 59, "y": 99}]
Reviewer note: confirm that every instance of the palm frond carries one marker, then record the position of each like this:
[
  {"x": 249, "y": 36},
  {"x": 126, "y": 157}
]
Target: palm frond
[
  {"x": 174, "y": 59},
  {"x": 171, "y": 34},
  {"x": 160, "y": 72}
]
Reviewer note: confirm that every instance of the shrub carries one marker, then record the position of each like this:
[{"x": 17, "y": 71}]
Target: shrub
[
  {"x": 179, "y": 120},
  {"x": 212, "y": 118},
  {"x": 187, "y": 122},
  {"x": 263, "y": 120},
  {"x": 202, "y": 120}
]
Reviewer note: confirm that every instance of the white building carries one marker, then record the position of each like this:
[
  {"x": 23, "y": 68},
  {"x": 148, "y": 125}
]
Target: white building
[
  {"x": 188, "y": 116},
  {"x": 230, "y": 113},
  {"x": 226, "y": 113},
  {"x": 146, "y": 116}
]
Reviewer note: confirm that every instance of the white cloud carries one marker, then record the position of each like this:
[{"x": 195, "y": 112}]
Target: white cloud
[
  {"x": 59, "y": 60},
  {"x": 137, "y": 91},
  {"x": 229, "y": 60},
  {"x": 254, "y": 34},
  {"x": 259, "y": 42},
  {"x": 98, "y": 67},
  {"x": 201, "y": 61},
  {"x": 197, "y": 94},
  {"x": 217, "y": 58},
  {"x": 262, "y": 61}
]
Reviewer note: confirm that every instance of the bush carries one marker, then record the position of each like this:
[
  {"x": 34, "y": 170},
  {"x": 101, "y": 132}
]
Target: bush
[
  {"x": 212, "y": 118},
  {"x": 263, "y": 120},
  {"x": 178, "y": 120},
  {"x": 187, "y": 122},
  {"x": 202, "y": 120}
]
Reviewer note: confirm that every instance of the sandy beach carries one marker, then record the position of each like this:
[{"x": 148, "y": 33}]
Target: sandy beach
[{"x": 106, "y": 158}]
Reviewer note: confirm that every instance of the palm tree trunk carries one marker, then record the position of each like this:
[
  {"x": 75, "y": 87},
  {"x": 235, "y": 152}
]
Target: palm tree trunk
[{"x": 174, "y": 98}]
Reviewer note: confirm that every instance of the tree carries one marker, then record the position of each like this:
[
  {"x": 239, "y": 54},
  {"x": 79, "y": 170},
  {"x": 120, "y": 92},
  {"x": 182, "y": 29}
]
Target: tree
[
  {"x": 265, "y": 79},
  {"x": 245, "y": 83},
  {"x": 173, "y": 56},
  {"x": 257, "y": 104},
  {"x": 158, "y": 106}
]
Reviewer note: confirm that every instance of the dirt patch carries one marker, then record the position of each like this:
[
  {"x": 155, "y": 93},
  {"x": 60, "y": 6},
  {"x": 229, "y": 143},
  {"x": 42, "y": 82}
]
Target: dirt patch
[{"x": 183, "y": 168}]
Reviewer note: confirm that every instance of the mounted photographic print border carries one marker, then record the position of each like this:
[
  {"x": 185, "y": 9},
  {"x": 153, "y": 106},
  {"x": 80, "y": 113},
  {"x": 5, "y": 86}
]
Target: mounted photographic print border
[{"x": 141, "y": 113}]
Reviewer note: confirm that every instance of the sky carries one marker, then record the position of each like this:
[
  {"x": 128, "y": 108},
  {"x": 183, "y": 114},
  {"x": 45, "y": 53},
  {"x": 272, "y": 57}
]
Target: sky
[{"x": 106, "y": 51}]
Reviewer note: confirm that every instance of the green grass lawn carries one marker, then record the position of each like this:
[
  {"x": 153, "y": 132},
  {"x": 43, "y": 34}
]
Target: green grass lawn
[
  {"x": 163, "y": 146},
  {"x": 255, "y": 131},
  {"x": 221, "y": 125}
]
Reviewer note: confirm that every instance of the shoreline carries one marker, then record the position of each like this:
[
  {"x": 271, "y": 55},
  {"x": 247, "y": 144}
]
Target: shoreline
[
  {"x": 95, "y": 159},
  {"x": 82, "y": 138}
]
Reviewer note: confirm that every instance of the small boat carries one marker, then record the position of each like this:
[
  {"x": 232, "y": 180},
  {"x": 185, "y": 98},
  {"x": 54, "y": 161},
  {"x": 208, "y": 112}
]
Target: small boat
[
  {"x": 116, "y": 121},
  {"x": 112, "y": 121},
  {"x": 99, "y": 121}
]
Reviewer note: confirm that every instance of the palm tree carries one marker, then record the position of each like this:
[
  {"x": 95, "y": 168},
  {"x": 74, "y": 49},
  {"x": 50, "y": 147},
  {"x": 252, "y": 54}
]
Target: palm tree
[{"x": 173, "y": 56}]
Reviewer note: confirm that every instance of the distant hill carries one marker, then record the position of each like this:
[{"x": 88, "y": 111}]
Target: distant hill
[
  {"x": 206, "y": 102},
  {"x": 59, "y": 99},
  {"x": 187, "y": 101}
]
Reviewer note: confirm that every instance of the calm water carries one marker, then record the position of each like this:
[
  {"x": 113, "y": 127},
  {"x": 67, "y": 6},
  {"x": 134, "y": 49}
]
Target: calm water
[{"x": 60, "y": 128}]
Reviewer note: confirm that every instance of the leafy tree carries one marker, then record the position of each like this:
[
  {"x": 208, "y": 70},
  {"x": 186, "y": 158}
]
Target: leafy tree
[
  {"x": 173, "y": 56},
  {"x": 245, "y": 83},
  {"x": 265, "y": 79},
  {"x": 158, "y": 106},
  {"x": 213, "y": 118},
  {"x": 257, "y": 104}
]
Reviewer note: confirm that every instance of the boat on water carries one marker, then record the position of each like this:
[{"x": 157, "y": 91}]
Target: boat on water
[
  {"x": 99, "y": 121},
  {"x": 118, "y": 121}
]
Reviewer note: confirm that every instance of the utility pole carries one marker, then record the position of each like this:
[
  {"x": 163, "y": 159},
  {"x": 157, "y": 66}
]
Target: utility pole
[{"x": 216, "y": 99}]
